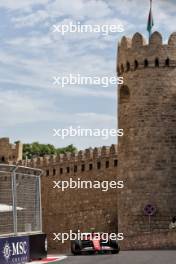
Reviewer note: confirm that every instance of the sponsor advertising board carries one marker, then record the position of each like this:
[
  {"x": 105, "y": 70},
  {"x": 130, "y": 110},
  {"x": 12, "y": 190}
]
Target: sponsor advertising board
[{"x": 14, "y": 250}]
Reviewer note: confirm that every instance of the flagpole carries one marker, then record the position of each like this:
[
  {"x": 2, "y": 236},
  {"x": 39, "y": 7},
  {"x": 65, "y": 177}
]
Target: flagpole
[
  {"x": 150, "y": 21},
  {"x": 150, "y": 32}
]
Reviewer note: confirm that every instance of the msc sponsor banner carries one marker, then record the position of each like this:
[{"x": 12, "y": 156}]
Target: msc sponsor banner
[{"x": 14, "y": 250}]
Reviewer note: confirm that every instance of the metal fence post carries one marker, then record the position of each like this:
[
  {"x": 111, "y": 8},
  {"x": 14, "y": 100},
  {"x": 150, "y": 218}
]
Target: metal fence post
[
  {"x": 14, "y": 199},
  {"x": 39, "y": 181},
  {"x": 20, "y": 200}
]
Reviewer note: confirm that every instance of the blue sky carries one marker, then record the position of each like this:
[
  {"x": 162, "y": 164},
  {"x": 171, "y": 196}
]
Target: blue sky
[{"x": 31, "y": 54}]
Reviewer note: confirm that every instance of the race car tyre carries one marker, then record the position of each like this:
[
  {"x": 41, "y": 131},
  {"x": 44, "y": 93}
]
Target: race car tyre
[
  {"x": 116, "y": 251},
  {"x": 76, "y": 247},
  {"x": 114, "y": 244}
]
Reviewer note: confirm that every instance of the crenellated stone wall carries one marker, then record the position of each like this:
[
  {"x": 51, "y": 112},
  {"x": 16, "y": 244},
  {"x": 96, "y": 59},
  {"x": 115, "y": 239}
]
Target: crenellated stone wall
[
  {"x": 75, "y": 209},
  {"x": 10, "y": 152},
  {"x": 135, "y": 54}
]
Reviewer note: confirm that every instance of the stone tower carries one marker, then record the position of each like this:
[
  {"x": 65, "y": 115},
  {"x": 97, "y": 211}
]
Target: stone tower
[
  {"x": 10, "y": 153},
  {"x": 147, "y": 151}
]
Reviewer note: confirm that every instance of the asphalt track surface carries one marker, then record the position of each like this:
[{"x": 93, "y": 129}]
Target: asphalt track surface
[{"x": 125, "y": 257}]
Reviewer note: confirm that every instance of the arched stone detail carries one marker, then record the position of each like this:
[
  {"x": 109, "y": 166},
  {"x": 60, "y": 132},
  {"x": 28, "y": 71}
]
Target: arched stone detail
[
  {"x": 137, "y": 41},
  {"x": 156, "y": 39},
  {"x": 172, "y": 40},
  {"x": 125, "y": 43}
]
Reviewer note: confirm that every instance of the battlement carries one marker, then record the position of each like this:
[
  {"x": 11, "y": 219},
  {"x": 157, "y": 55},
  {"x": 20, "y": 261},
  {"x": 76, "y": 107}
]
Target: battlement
[
  {"x": 80, "y": 156},
  {"x": 10, "y": 152},
  {"x": 136, "y": 53}
]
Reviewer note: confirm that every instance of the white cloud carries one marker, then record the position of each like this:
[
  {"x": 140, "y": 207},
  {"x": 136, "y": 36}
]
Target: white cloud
[
  {"x": 92, "y": 120},
  {"x": 20, "y": 108},
  {"x": 79, "y": 9},
  {"x": 136, "y": 11},
  {"x": 33, "y": 41},
  {"x": 25, "y": 5},
  {"x": 30, "y": 20},
  {"x": 52, "y": 57},
  {"x": 31, "y": 55}
]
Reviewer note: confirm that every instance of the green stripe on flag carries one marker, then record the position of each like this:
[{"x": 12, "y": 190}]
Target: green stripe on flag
[{"x": 150, "y": 20}]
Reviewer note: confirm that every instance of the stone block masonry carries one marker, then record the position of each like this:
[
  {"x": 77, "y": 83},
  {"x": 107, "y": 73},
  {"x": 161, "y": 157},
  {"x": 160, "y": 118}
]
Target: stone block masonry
[
  {"x": 147, "y": 151},
  {"x": 76, "y": 209},
  {"x": 10, "y": 152}
]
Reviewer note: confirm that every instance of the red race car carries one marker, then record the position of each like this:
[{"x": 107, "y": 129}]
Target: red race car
[{"x": 94, "y": 243}]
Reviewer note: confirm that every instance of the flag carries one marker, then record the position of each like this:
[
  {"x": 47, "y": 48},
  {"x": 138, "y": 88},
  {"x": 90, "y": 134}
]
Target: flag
[{"x": 150, "y": 20}]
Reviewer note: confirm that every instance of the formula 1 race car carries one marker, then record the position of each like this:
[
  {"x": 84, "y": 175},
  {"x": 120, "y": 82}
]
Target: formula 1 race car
[{"x": 91, "y": 243}]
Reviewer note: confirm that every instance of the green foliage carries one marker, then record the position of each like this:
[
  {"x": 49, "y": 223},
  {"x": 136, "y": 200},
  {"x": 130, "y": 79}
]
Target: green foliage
[{"x": 36, "y": 149}]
